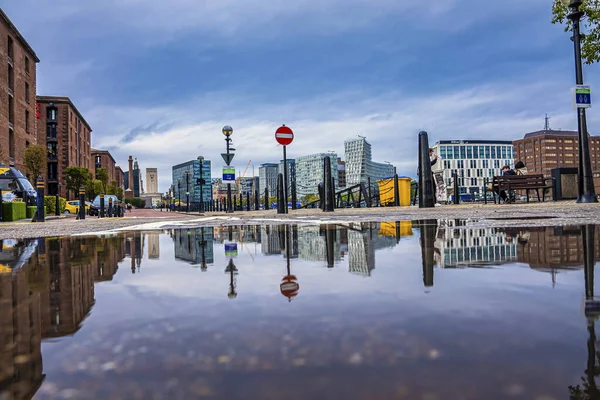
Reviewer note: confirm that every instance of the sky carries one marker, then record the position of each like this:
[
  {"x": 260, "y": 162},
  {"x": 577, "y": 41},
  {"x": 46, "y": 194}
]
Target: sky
[{"x": 159, "y": 79}]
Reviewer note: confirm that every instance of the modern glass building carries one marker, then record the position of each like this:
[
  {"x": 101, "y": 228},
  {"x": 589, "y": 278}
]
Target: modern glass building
[
  {"x": 291, "y": 172},
  {"x": 475, "y": 161},
  {"x": 309, "y": 172},
  {"x": 192, "y": 184},
  {"x": 267, "y": 177},
  {"x": 359, "y": 163}
]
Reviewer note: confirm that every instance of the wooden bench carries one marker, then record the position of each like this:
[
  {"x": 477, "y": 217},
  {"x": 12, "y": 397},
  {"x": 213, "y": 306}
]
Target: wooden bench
[{"x": 519, "y": 182}]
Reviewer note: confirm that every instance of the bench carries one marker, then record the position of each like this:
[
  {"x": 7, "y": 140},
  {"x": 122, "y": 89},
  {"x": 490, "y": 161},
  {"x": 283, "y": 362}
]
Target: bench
[{"x": 519, "y": 182}]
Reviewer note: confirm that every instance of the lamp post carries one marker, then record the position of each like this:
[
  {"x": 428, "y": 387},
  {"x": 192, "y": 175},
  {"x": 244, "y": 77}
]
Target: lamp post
[
  {"x": 178, "y": 194},
  {"x": 585, "y": 186},
  {"x": 187, "y": 191},
  {"x": 228, "y": 131},
  {"x": 201, "y": 180}
]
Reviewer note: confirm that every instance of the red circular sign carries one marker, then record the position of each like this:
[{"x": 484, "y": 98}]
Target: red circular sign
[
  {"x": 284, "y": 135},
  {"x": 289, "y": 287}
]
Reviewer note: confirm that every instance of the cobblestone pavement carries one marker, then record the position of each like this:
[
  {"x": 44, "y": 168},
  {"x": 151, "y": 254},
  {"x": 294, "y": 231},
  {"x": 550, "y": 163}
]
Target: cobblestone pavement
[{"x": 532, "y": 214}]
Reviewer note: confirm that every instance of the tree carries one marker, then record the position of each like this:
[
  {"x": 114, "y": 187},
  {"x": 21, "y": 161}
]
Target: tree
[
  {"x": 93, "y": 188},
  {"x": 590, "y": 24},
  {"x": 35, "y": 160},
  {"x": 76, "y": 177},
  {"x": 102, "y": 176}
]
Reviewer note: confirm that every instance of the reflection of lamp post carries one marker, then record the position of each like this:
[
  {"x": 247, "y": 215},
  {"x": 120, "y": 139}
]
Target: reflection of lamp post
[
  {"x": 201, "y": 161},
  {"x": 586, "y": 192},
  {"x": 228, "y": 131},
  {"x": 203, "y": 266},
  {"x": 187, "y": 191},
  {"x": 232, "y": 270}
]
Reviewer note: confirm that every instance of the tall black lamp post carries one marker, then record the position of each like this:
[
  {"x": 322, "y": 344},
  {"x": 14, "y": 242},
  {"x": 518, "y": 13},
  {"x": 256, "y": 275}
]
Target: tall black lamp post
[
  {"x": 201, "y": 183},
  {"x": 187, "y": 191},
  {"x": 178, "y": 194},
  {"x": 228, "y": 131},
  {"x": 586, "y": 192}
]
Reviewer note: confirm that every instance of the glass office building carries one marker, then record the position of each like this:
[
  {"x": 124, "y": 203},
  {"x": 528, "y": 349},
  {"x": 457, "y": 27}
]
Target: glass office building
[{"x": 183, "y": 184}]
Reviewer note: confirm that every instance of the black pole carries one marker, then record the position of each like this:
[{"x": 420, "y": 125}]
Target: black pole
[
  {"x": 101, "y": 205},
  {"x": 1, "y": 213},
  {"x": 178, "y": 195},
  {"x": 587, "y": 234},
  {"x": 586, "y": 192},
  {"x": 280, "y": 194},
  {"x": 328, "y": 207},
  {"x": 329, "y": 244},
  {"x": 456, "y": 189},
  {"x": 187, "y": 191},
  {"x": 266, "y": 197},
  {"x": 294, "y": 195},
  {"x": 110, "y": 207},
  {"x": 321, "y": 190},
  {"x": 201, "y": 188},
  {"x": 256, "y": 199},
  {"x": 234, "y": 202},
  {"x": 369, "y": 203},
  {"x": 81, "y": 202},
  {"x": 426, "y": 199},
  {"x": 40, "y": 200},
  {"x": 428, "y": 230},
  {"x": 241, "y": 204},
  {"x": 57, "y": 205},
  {"x": 396, "y": 190},
  {"x": 285, "y": 180},
  {"x": 248, "y": 201}
]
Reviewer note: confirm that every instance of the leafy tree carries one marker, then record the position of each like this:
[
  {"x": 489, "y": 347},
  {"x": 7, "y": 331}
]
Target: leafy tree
[
  {"x": 102, "y": 176},
  {"x": 76, "y": 177},
  {"x": 35, "y": 160},
  {"x": 590, "y": 24},
  {"x": 93, "y": 188}
]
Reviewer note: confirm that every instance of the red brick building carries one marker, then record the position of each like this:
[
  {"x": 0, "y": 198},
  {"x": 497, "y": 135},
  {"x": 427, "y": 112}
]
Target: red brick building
[
  {"x": 67, "y": 135},
  {"x": 17, "y": 94},
  {"x": 103, "y": 159}
]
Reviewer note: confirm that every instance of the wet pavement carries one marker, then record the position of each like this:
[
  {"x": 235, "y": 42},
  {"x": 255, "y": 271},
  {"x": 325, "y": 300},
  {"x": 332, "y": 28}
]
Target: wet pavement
[{"x": 378, "y": 310}]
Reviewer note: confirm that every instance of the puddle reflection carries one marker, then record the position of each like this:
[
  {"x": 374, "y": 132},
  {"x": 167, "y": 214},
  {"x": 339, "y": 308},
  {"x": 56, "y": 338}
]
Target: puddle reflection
[{"x": 403, "y": 343}]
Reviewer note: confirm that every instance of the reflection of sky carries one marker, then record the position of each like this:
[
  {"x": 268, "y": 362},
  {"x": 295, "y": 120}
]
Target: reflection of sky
[{"x": 511, "y": 305}]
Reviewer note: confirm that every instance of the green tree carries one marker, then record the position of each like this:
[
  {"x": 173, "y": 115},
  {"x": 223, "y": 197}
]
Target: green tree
[
  {"x": 93, "y": 188},
  {"x": 35, "y": 160},
  {"x": 76, "y": 177},
  {"x": 102, "y": 176},
  {"x": 590, "y": 25}
]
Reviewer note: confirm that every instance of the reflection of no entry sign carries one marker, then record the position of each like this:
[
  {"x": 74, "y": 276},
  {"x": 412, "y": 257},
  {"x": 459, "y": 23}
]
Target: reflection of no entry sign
[
  {"x": 228, "y": 174},
  {"x": 284, "y": 135},
  {"x": 582, "y": 96},
  {"x": 289, "y": 287}
]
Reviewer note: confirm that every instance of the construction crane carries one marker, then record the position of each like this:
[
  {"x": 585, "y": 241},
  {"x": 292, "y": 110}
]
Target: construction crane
[{"x": 242, "y": 177}]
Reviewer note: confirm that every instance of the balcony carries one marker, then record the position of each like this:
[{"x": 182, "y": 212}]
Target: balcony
[{"x": 52, "y": 138}]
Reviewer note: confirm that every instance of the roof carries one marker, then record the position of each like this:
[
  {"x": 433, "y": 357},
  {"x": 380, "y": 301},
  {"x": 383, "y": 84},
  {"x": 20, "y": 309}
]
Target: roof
[
  {"x": 95, "y": 151},
  {"x": 476, "y": 141},
  {"x": 62, "y": 100},
  {"x": 550, "y": 132},
  {"x": 18, "y": 35}
]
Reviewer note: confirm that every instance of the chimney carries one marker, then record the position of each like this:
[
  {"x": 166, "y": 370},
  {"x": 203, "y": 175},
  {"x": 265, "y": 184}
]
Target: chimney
[{"x": 130, "y": 174}]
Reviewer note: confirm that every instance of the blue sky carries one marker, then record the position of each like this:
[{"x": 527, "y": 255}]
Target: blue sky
[{"x": 158, "y": 79}]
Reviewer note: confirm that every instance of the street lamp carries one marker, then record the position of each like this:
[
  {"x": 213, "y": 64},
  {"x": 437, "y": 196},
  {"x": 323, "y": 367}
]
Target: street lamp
[
  {"x": 228, "y": 131},
  {"x": 585, "y": 186},
  {"x": 178, "y": 194},
  {"x": 201, "y": 208},
  {"x": 187, "y": 191}
]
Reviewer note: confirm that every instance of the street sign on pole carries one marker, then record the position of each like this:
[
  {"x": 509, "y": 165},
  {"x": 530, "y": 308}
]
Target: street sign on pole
[
  {"x": 227, "y": 157},
  {"x": 289, "y": 287},
  {"x": 228, "y": 174},
  {"x": 582, "y": 97},
  {"x": 284, "y": 135}
]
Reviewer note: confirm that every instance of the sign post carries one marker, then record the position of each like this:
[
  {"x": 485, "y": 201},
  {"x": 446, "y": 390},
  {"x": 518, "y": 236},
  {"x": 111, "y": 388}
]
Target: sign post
[
  {"x": 284, "y": 136},
  {"x": 582, "y": 96}
]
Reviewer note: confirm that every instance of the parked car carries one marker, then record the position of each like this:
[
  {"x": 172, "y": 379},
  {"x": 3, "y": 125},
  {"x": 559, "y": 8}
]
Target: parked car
[
  {"x": 96, "y": 202},
  {"x": 72, "y": 207},
  {"x": 92, "y": 210},
  {"x": 13, "y": 184}
]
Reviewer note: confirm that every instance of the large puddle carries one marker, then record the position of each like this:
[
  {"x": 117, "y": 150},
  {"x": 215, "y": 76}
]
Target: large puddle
[{"x": 398, "y": 310}]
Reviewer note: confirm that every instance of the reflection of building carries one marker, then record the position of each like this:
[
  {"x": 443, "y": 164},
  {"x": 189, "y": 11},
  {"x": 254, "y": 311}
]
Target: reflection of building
[
  {"x": 109, "y": 252},
  {"x": 153, "y": 245},
  {"x": 472, "y": 247},
  {"x": 134, "y": 248},
  {"x": 269, "y": 243},
  {"x": 195, "y": 245},
  {"x": 312, "y": 244}
]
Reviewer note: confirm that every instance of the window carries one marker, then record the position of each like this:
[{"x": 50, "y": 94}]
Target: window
[
  {"x": 27, "y": 64},
  {"x": 493, "y": 151},
  {"x": 51, "y": 131},
  {"x": 11, "y": 110},
  {"x": 10, "y": 48},
  {"x": 450, "y": 152},
  {"x": 443, "y": 151},
  {"x": 51, "y": 114},
  {"x": 26, "y": 143},
  {"x": 473, "y": 163},
  {"x": 487, "y": 152},
  {"x": 27, "y": 121},
  {"x": 503, "y": 151},
  {"x": 11, "y": 143},
  {"x": 469, "y": 151},
  {"x": 11, "y": 78},
  {"x": 27, "y": 92},
  {"x": 475, "y": 152},
  {"x": 52, "y": 151},
  {"x": 463, "y": 153}
]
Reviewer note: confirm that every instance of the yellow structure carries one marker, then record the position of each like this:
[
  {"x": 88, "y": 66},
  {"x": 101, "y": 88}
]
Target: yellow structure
[
  {"x": 386, "y": 191},
  {"x": 389, "y": 228}
]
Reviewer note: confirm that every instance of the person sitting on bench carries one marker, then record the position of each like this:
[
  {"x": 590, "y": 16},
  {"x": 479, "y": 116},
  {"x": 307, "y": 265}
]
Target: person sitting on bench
[{"x": 510, "y": 197}]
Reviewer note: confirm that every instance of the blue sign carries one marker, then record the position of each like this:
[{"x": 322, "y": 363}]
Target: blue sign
[
  {"x": 229, "y": 177},
  {"x": 582, "y": 96}
]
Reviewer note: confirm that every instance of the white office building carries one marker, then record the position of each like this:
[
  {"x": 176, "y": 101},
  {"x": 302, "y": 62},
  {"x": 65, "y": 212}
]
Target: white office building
[
  {"x": 309, "y": 172},
  {"x": 475, "y": 161},
  {"x": 359, "y": 163},
  {"x": 267, "y": 177}
]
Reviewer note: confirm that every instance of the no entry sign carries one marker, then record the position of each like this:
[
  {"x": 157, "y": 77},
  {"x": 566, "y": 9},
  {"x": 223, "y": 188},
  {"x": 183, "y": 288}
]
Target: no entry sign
[
  {"x": 284, "y": 135},
  {"x": 289, "y": 287}
]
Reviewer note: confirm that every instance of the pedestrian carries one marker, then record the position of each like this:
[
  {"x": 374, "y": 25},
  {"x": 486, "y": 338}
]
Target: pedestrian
[{"x": 510, "y": 197}]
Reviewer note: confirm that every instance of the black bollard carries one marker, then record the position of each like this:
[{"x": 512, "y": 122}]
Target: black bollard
[
  {"x": 247, "y": 201},
  {"x": 40, "y": 200},
  {"x": 266, "y": 197},
  {"x": 235, "y": 202},
  {"x": 280, "y": 195},
  {"x": 321, "y": 191},
  {"x": 57, "y": 206},
  {"x": 101, "y": 213},
  {"x": 294, "y": 195},
  {"x": 396, "y": 191},
  {"x": 241, "y": 205},
  {"x": 456, "y": 189},
  {"x": 110, "y": 207},
  {"x": 329, "y": 244},
  {"x": 329, "y": 199},
  {"x": 428, "y": 230},
  {"x": 256, "y": 200},
  {"x": 426, "y": 199},
  {"x": 1, "y": 213},
  {"x": 370, "y": 202},
  {"x": 81, "y": 202}
]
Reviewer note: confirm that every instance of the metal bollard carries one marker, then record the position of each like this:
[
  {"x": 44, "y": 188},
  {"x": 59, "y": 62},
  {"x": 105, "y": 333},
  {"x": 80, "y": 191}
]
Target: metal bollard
[
  {"x": 327, "y": 189},
  {"x": 40, "y": 200},
  {"x": 428, "y": 229},
  {"x": 396, "y": 191},
  {"x": 57, "y": 206},
  {"x": 456, "y": 189},
  {"x": 81, "y": 202},
  {"x": 256, "y": 199},
  {"x": 101, "y": 213},
  {"x": 266, "y": 197},
  {"x": 426, "y": 199},
  {"x": 280, "y": 195},
  {"x": 247, "y": 201},
  {"x": 1, "y": 212},
  {"x": 110, "y": 207},
  {"x": 370, "y": 202},
  {"x": 294, "y": 195}
]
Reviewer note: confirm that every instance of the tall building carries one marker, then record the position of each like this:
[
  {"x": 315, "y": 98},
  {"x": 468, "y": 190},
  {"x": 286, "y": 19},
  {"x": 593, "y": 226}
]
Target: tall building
[
  {"x": 151, "y": 180},
  {"x": 103, "y": 159},
  {"x": 474, "y": 161},
  {"x": 359, "y": 163},
  {"x": 544, "y": 150},
  {"x": 133, "y": 179},
  {"x": 190, "y": 182},
  {"x": 309, "y": 172},
  {"x": 267, "y": 177},
  {"x": 17, "y": 104},
  {"x": 67, "y": 135},
  {"x": 341, "y": 171}
]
